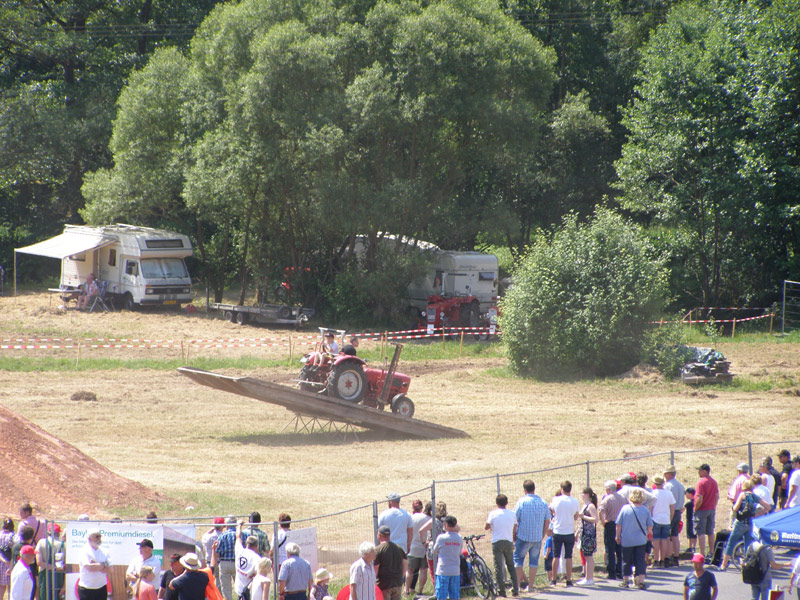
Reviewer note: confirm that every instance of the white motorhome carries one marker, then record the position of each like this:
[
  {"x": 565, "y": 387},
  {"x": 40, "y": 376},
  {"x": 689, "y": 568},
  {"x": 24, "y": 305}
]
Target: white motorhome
[
  {"x": 458, "y": 274},
  {"x": 141, "y": 265},
  {"x": 451, "y": 273}
]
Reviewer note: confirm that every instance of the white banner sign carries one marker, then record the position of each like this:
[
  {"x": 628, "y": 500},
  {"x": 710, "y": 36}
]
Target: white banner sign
[{"x": 307, "y": 540}]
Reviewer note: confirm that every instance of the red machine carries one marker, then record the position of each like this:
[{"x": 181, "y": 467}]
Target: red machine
[
  {"x": 347, "y": 377},
  {"x": 452, "y": 311}
]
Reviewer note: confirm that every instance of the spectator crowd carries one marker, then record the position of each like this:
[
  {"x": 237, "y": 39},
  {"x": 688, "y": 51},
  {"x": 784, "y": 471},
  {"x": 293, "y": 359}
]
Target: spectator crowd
[{"x": 639, "y": 523}]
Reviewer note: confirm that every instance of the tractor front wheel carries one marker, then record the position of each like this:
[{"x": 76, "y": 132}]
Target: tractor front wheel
[
  {"x": 403, "y": 406},
  {"x": 347, "y": 381}
]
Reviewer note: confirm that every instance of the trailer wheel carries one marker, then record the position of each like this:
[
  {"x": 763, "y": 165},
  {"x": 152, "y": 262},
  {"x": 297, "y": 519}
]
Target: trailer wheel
[
  {"x": 241, "y": 318},
  {"x": 229, "y": 315},
  {"x": 284, "y": 312},
  {"x": 403, "y": 406},
  {"x": 347, "y": 381},
  {"x": 127, "y": 302}
]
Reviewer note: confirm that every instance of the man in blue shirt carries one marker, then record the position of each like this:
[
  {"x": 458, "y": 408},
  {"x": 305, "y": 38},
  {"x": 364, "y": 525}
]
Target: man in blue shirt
[
  {"x": 226, "y": 558},
  {"x": 294, "y": 578},
  {"x": 700, "y": 585},
  {"x": 398, "y": 521},
  {"x": 533, "y": 520}
]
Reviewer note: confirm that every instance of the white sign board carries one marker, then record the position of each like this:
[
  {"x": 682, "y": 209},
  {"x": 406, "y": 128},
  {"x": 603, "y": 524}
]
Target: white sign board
[
  {"x": 119, "y": 539},
  {"x": 307, "y": 540}
]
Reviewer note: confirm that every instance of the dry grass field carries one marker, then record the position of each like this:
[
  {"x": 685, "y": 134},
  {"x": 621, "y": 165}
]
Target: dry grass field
[{"x": 227, "y": 454}]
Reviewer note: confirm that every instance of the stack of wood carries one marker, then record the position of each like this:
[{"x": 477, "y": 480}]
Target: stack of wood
[{"x": 697, "y": 373}]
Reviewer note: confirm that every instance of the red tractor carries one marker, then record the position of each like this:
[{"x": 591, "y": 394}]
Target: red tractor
[
  {"x": 451, "y": 311},
  {"x": 347, "y": 377}
]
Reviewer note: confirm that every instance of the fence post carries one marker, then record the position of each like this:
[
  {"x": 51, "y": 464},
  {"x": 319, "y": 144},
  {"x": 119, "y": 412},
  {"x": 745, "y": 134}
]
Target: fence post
[
  {"x": 750, "y": 455},
  {"x": 588, "y": 475},
  {"x": 275, "y": 564},
  {"x": 672, "y": 457},
  {"x": 375, "y": 521},
  {"x": 434, "y": 527},
  {"x": 733, "y": 331},
  {"x": 498, "y": 483}
]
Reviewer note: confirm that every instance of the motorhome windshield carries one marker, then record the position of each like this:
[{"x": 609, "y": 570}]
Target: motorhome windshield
[{"x": 163, "y": 268}]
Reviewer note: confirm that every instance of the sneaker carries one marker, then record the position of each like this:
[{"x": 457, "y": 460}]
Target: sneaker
[
  {"x": 641, "y": 586},
  {"x": 585, "y": 581},
  {"x": 554, "y": 582},
  {"x": 568, "y": 582},
  {"x": 623, "y": 584}
]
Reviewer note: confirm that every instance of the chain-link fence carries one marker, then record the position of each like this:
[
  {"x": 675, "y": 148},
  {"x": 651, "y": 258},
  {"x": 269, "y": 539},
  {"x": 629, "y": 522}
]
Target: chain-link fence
[{"x": 339, "y": 534}]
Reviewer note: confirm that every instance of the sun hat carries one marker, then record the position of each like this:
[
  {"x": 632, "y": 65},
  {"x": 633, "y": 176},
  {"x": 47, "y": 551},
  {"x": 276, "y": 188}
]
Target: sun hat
[
  {"x": 658, "y": 480},
  {"x": 190, "y": 561},
  {"x": 671, "y": 469},
  {"x": 321, "y": 575}
]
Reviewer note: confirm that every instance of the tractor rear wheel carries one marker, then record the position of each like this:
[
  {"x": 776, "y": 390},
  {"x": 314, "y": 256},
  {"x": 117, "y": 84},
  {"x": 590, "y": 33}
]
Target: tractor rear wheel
[
  {"x": 347, "y": 381},
  {"x": 403, "y": 406}
]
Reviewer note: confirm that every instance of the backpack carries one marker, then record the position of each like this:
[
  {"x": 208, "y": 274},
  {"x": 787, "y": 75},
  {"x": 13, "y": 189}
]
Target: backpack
[
  {"x": 751, "y": 565},
  {"x": 747, "y": 509}
]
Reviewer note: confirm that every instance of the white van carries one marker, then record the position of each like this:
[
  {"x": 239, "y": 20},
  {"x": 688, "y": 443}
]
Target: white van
[{"x": 140, "y": 265}]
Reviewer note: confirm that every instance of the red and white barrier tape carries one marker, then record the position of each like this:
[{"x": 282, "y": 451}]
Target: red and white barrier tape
[{"x": 712, "y": 320}]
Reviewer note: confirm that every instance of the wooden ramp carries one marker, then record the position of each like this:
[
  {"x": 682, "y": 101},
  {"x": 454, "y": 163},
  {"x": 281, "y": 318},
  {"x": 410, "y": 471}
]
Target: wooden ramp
[{"x": 321, "y": 406}]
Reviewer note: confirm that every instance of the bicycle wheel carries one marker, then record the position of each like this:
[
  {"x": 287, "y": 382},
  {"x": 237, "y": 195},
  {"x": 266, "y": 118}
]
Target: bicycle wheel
[
  {"x": 737, "y": 555},
  {"x": 482, "y": 579}
]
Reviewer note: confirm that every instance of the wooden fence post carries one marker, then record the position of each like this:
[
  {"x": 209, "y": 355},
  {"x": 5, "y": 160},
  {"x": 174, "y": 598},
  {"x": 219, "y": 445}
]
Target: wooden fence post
[
  {"x": 461, "y": 344},
  {"x": 291, "y": 349},
  {"x": 733, "y": 330}
]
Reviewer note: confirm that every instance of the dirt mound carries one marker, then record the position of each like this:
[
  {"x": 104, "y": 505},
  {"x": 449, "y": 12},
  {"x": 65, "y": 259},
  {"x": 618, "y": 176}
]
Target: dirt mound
[
  {"x": 57, "y": 477},
  {"x": 642, "y": 374}
]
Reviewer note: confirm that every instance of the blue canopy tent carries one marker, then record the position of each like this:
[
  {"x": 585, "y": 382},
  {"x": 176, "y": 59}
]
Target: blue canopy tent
[{"x": 780, "y": 528}]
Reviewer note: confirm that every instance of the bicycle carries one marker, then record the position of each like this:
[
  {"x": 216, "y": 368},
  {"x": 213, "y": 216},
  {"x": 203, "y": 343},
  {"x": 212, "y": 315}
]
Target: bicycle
[{"x": 481, "y": 575}]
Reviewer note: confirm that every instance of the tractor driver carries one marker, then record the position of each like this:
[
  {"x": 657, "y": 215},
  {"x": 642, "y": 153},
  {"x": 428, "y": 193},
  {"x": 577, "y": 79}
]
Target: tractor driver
[
  {"x": 350, "y": 349},
  {"x": 329, "y": 349}
]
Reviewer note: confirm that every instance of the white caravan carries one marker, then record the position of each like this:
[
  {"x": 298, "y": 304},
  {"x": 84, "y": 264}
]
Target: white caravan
[
  {"x": 140, "y": 265},
  {"x": 458, "y": 274}
]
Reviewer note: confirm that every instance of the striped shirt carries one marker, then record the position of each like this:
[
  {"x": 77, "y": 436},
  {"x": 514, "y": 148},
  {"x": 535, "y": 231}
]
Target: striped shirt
[
  {"x": 362, "y": 580},
  {"x": 226, "y": 545},
  {"x": 531, "y": 513}
]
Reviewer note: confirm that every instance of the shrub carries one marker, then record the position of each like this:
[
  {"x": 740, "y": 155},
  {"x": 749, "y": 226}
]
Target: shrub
[{"x": 582, "y": 299}]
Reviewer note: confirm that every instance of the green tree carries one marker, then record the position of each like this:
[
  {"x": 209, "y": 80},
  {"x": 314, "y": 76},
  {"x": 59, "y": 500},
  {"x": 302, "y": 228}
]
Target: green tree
[
  {"x": 582, "y": 299},
  {"x": 711, "y": 147}
]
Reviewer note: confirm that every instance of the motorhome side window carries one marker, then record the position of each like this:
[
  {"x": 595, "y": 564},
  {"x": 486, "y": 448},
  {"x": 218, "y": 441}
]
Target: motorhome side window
[
  {"x": 132, "y": 268},
  {"x": 487, "y": 275},
  {"x": 112, "y": 258}
]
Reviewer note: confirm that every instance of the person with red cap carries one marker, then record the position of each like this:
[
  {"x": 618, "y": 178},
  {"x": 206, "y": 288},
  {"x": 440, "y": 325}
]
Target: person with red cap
[
  {"x": 23, "y": 581},
  {"x": 700, "y": 584},
  {"x": 208, "y": 540}
]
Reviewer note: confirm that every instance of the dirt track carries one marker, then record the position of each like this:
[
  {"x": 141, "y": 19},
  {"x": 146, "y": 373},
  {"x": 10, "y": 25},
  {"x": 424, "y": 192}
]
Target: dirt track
[{"x": 225, "y": 453}]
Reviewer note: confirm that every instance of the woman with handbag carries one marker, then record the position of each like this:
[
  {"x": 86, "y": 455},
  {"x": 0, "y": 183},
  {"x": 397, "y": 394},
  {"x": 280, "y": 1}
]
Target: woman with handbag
[
  {"x": 744, "y": 509},
  {"x": 634, "y": 528},
  {"x": 588, "y": 528}
]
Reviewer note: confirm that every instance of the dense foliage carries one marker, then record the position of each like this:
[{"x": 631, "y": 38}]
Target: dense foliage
[
  {"x": 582, "y": 299},
  {"x": 274, "y": 133}
]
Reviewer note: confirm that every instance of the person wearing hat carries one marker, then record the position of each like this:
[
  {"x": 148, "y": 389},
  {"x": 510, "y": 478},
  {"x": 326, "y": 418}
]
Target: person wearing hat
[
  {"x": 743, "y": 474},
  {"x": 294, "y": 578},
  {"x": 23, "y": 581},
  {"x": 700, "y": 584},
  {"x": 706, "y": 496},
  {"x": 399, "y": 522},
  {"x": 175, "y": 569},
  {"x": 192, "y": 583},
  {"x": 391, "y": 563},
  {"x": 145, "y": 558},
  {"x": 793, "y": 486},
  {"x": 209, "y": 539},
  {"x": 320, "y": 588},
  {"x": 675, "y": 487},
  {"x": 50, "y": 560},
  {"x": 94, "y": 566},
  {"x": 330, "y": 348},
  {"x": 663, "y": 511},
  {"x": 447, "y": 556}
]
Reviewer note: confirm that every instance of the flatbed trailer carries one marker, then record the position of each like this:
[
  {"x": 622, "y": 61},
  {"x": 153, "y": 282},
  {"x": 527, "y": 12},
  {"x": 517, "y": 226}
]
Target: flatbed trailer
[
  {"x": 272, "y": 314},
  {"x": 321, "y": 406}
]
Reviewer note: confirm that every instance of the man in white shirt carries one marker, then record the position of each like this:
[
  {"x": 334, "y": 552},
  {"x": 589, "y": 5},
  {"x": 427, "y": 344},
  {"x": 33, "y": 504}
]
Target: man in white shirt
[
  {"x": 564, "y": 509},
  {"x": 662, "y": 512},
  {"x": 94, "y": 568},
  {"x": 503, "y": 524},
  {"x": 147, "y": 558},
  {"x": 23, "y": 583},
  {"x": 793, "y": 485},
  {"x": 362, "y": 574},
  {"x": 247, "y": 559}
]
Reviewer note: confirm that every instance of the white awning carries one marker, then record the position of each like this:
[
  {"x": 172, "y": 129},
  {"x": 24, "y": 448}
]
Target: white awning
[{"x": 68, "y": 244}]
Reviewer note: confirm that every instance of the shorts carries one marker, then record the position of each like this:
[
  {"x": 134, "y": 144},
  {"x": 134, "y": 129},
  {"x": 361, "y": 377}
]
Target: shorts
[
  {"x": 660, "y": 531},
  {"x": 548, "y": 563},
  {"x": 704, "y": 522},
  {"x": 532, "y": 549},
  {"x": 675, "y": 525},
  {"x": 448, "y": 586},
  {"x": 567, "y": 541},
  {"x": 417, "y": 563}
]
